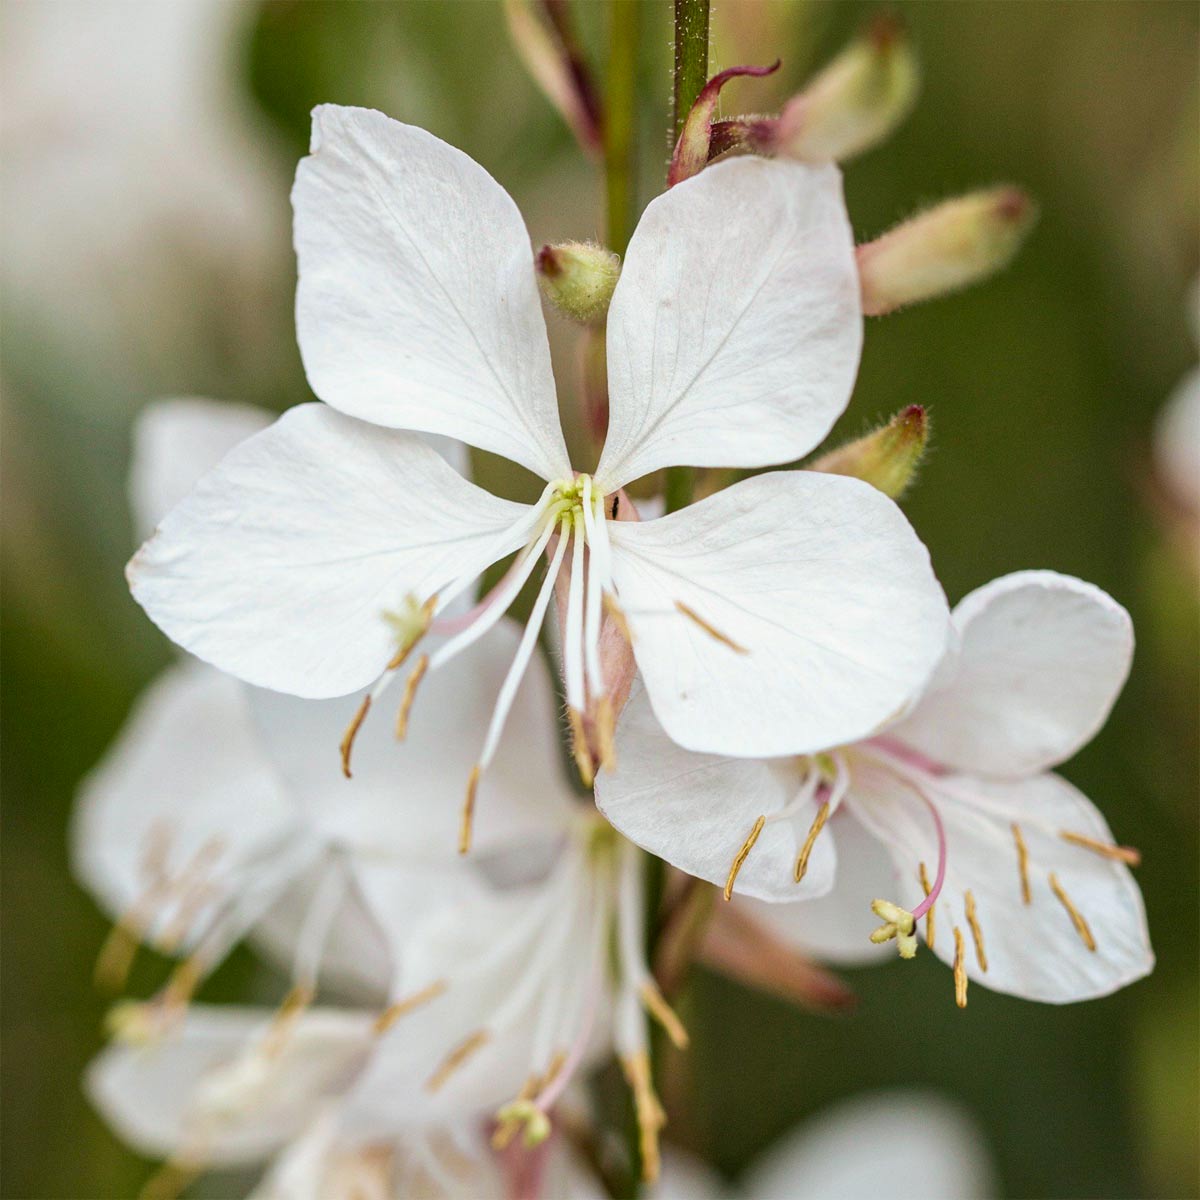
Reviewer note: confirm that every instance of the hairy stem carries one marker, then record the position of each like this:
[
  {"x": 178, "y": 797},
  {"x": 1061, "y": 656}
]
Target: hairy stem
[{"x": 620, "y": 124}]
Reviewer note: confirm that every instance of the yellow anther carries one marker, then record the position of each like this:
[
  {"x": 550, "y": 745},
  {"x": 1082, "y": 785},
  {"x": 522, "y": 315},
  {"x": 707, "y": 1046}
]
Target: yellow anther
[
  {"x": 468, "y": 812},
  {"x": 976, "y": 931},
  {"x": 1022, "y": 863},
  {"x": 960, "y": 970},
  {"x": 810, "y": 841},
  {"x": 711, "y": 630},
  {"x": 402, "y": 1007},
  {"x": 605, "y": 742},
  {"x": 740, "y": 856},
  {"x": 579, "y": 746},
  {"x": 1077, "y": 919},
  {"x": 410, "y": 694},
  {"x": 515, "y": 1115},
  {"x": 616, "y": 614},
  {"x": 664, "y": 1014},
  {"x": 1128, "y": 855},
  {"x": 347, "y": 743},
  {"x": 409, "y": 626},
  {"x": 116, "y": 956},
  {"x": 929, "y": 917},
  {"x": 455, "y": 1059},
  {"x": 899, "y": 923},
  {"x": 650, "y": 1115}
]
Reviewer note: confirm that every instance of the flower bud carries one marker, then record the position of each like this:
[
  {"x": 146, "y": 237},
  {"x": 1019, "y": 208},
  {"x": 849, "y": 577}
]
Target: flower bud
[
  {"x": 578, "y": 278},
  {"x": 855, "y": 102},
  {"x": 887, "y": 458},
  {"x": 952, "y": 245}
]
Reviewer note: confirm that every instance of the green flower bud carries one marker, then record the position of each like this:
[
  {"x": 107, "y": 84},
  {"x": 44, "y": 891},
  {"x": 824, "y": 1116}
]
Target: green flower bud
[
  {"x": 855, "y": 102},
  {"x": 578, "y": 278},
  {"x": 952, "y": 245},
  {"x": 887, "y": 458}
]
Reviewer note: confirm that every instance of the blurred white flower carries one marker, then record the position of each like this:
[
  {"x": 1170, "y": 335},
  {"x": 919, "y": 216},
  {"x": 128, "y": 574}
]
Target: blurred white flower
[
  {"x": 220, "y": 809},
  {"x": 1015, "y": 872},
  {"x": 1177, "y": 431},
  {"x": 788, "y": 612},
  {"x": 132, "y": 179}
]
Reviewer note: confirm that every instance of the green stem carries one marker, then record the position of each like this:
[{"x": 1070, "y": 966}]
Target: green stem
[
  {"x": 620, "y": 123},
  {"x": 691, "y": 74}
]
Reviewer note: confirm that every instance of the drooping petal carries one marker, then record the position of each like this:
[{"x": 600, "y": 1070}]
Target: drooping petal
[
  {"x": 405, "y": 798},
  {"x": 175, "y": 442},
  {"x": 167, "y": 823},
  {"x": 417, "y": 305},
  {"x": 1042, "y": 658},
  {"x": 1036, "y": 950},
  {"x": 735, "y": 330},
  {"x": 280, "y": 564},
  {"x": 823, "y": 615},
  {"x": 903, "y": 1145},
  {"x": 696, "y": 810},
  {"x": 836, "y": 927},
  {"x": 186, "y": 1094}
]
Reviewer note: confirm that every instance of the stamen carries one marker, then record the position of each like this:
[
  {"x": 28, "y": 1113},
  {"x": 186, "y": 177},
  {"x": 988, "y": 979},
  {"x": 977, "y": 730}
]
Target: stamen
[
  {"x": 976, "y": 931},
  {"x": 650, "y": 1115},
  {"x": 456, "y": 1058},
  {"x": 606, "y": 744},
  {"x": 1128, "y": 855},
  {"x": 401, "y": 1008},
  {"x": 410, "y": 694},
  {"x": 572, "y": 650},
  {"x": 960, "y": 970},
  {"x": 617, "y": 615},
  {"x": 579, "y": 746},
  {"x": 929, "y": 913},
  {"x": 810, "y": 841},
  {"x": 664, "y": 1014},
  {"x": 347, "y": 743},
  {"x": 711, "y": 630},
  {"x": 1081, "y": 926},
  {"x": 740, "y": 857},
  {"x": 468, "y": 811},
  {"x": 116, "y": 956},
  {"x": 1022, "y": 863}
]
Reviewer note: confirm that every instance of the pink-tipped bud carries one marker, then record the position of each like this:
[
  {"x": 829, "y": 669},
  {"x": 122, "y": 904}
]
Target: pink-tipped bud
[
  {"x": 888, "y": 458},
  {"x": 954, "y": 244},
  {"x": 578, "y": 278},
  {"x": 551, "y": 54},
  {"x": 693, "y": 150},
  {"x": 855, "y": 102}
]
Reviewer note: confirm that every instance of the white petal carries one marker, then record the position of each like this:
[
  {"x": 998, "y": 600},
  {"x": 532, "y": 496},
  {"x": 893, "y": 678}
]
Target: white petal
[
  {"x": 735, "y": 330},
  {"x": 278, "y": 567},
  {"x": 1033, "y": 950},
  {"x": 901, "y": 1145},
  {"x": 185, "y": 781},
  {"x": 696, "y": 810},
  {"x": 405, "y": 798},
  {"x": 174, "y": 443},
  {"x": 417, "y": 305},
  {"x": 150, "y": 1093},
  {"x": 818, "y": 578},
  {"x": 1042, "y": 658},
  {"x": 835, "y": 928}
]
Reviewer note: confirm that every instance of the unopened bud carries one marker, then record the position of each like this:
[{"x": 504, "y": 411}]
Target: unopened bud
[
  {"x": 955, "y": 244},
  {"x": 886, "y": 458},
  {"x": 578, "y": 278},
  {"x": 694, "y": 147},
  {"x": 855, "y": 102}
]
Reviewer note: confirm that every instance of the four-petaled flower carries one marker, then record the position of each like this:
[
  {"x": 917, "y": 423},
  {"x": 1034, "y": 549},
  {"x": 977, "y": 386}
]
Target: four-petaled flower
[
  {"x": 1011, "y": 874},
  {"x": 789, "y": 612}
]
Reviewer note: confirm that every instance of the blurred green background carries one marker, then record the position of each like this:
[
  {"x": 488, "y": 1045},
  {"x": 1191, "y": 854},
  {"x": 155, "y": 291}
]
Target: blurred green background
[{"x": 147, "y": 154}]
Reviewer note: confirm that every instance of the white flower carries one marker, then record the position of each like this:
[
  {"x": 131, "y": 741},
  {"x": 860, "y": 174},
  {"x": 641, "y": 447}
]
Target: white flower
[
  {"x": 219, "y": 811},
  {"x": 789, "y": 612},
  {"x": 1015, "y": 872},
  {"x": 1177, "y": 430}
]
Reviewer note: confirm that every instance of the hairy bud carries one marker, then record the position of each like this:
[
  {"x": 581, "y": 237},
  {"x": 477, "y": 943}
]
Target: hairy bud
[
  {"x": 952, "y": 245},
  {"x": 855, "y": 102},
  {"x": 578, "y": 278},
  {"x": 887, "y": 458}
]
